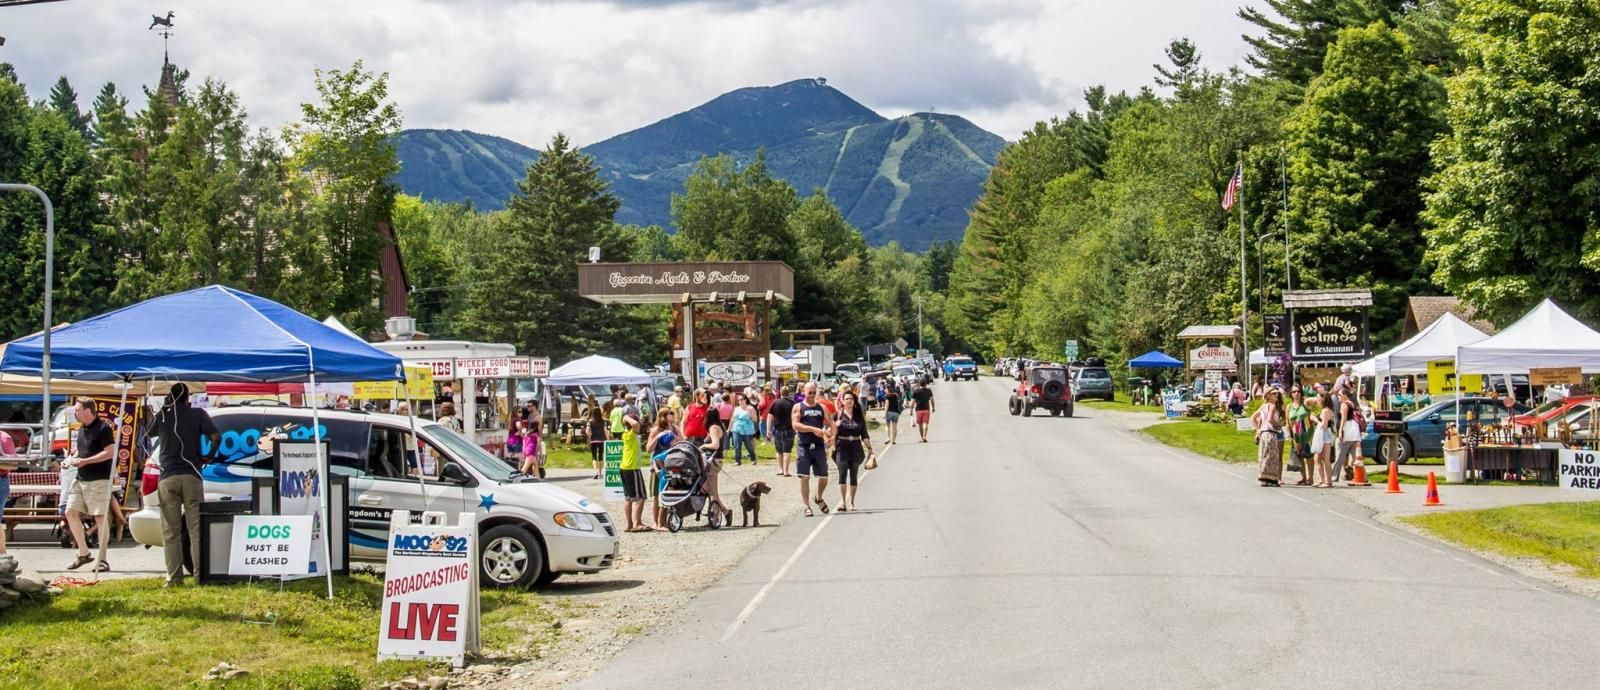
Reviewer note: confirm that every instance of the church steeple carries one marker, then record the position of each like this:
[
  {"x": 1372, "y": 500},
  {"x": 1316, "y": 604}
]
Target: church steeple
[{"x": 168, "y": 88}]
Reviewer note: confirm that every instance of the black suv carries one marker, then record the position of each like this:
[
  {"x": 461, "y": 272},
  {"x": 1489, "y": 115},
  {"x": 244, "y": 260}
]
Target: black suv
[{"x": 1043, "y": 385}]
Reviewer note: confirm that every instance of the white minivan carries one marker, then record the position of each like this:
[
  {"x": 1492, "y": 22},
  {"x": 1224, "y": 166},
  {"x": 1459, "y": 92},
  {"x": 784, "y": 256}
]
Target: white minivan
[{"x": 530, "y": 532}]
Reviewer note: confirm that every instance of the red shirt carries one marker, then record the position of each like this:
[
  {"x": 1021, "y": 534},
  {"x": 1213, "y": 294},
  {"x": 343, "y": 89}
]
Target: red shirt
[{"x": 694, "y": 420}]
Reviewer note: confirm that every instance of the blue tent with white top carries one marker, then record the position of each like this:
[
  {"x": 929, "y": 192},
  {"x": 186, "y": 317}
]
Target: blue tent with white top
[
  {"x": 209, "y": 334},
  {"x": 1154, "y": 359}
]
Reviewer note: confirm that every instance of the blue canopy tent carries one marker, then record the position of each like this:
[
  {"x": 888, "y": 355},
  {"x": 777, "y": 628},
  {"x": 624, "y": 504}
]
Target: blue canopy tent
[
  {"x": 208, "y": 334},
  {"x": 1154, "y": 359}
]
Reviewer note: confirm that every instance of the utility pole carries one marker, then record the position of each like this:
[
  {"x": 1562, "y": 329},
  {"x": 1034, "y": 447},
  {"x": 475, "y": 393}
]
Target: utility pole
[
  {"x": 920, "y": 298},
  {"x": 49, "y": 294}
]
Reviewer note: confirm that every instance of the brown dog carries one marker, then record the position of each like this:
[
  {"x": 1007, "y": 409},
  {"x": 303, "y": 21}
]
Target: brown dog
[{"x": 750, "y": 501}]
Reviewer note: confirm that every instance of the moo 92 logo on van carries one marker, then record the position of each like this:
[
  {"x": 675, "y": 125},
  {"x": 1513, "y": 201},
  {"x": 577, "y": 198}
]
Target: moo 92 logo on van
[
  {"x": 430, "y": 545},
  {"x": 300, "y": 484}
]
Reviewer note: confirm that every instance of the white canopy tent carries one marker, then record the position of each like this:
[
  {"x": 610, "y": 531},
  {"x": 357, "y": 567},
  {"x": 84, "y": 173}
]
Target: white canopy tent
[
  {"x": 1258, "y": 357},
  {"x": 1436, "y": 342},
  {"x": 597, "y": 370},
  {"x": 781, "y": 365},
  {"x": 1546, "y": 337}
]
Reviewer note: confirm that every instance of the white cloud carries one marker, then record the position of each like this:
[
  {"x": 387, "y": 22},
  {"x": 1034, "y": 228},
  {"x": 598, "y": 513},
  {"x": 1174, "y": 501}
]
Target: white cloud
[{"x": 526, "y": 69}]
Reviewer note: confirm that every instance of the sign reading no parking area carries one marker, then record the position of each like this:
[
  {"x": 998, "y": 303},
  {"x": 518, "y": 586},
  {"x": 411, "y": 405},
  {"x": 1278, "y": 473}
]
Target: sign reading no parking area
[{"x": 1580, "y": 469}]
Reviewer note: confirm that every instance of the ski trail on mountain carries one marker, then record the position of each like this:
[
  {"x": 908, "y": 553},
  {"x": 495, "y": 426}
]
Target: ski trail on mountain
[
  {"x": 961, "y": 144},
  {"x": 889, "y": 168},
  {"x": 827, "y": 187}
]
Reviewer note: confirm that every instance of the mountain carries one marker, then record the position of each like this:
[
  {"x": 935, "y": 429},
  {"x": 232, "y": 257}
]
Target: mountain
[{"x": 911, "y": 179}]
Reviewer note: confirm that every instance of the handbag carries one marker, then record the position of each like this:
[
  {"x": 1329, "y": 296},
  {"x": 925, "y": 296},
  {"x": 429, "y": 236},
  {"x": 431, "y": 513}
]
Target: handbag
[{"x": 872, "y": 462}]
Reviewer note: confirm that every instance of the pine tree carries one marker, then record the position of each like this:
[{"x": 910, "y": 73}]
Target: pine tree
[
  {"x": 1184, "y": 58},
  {"x": 64, "y": 99},
  {"x": 1296, "y": 34}
]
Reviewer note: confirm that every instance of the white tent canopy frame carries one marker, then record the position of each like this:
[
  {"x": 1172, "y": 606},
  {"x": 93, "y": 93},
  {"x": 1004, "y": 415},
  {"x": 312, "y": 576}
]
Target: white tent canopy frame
[
  {"x": 1544, "y": 338},
  {"x": 1438, "y": 341},
  {"x": 597, "y": 370}
]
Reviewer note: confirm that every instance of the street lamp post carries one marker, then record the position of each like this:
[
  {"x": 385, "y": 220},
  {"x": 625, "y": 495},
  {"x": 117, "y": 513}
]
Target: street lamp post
[{"x": 49, "y": 294}]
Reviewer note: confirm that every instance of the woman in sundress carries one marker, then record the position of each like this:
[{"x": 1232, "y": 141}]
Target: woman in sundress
[
  {"x": 1299, "y": 417},
  {"x": 1268, "y": 423}
]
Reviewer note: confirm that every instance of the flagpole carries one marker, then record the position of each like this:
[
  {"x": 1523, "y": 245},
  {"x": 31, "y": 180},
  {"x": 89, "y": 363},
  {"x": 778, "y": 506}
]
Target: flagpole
[
  {"x": 1283, "y": 163},
  {"x": 1244, "y": 277}
]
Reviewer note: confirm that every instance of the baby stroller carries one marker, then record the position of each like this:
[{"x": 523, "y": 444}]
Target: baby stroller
[{"x": 684, "y": 467}]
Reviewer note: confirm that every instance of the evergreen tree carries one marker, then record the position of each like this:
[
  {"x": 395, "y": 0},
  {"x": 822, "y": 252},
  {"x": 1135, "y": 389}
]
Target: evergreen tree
[
  {"x": 109, "y": 103},
  {"x": 1514, "y": 209},
  {"x": 1296, "y": 34},
  {"x": 1184, "y": 59},
  {"x": 64, "y": 99},
  {"x": 522, "y": 280},
  {"x": 1360, "y": 150}
]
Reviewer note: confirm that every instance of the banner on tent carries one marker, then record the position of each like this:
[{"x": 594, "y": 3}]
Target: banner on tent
[
  {"x": 127, "y": 418},
  {"x": 1555, "y": 376},
  {"x": 1442, "y": 379},
  {"x": 418, "y": 386}
]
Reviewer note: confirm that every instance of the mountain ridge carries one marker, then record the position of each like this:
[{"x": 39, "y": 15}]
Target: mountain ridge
[{"x": 910, "y": 179}]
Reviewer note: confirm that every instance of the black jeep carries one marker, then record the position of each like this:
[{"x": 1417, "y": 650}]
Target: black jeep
[{"x": 1043, "y": 385}]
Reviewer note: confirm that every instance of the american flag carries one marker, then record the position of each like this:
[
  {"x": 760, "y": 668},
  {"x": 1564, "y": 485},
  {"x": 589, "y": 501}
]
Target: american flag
[{"x": 1231, "y": 197}]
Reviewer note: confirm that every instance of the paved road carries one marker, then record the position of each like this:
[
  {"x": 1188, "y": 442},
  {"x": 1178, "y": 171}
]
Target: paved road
[{"x": 1046, "y": 552}]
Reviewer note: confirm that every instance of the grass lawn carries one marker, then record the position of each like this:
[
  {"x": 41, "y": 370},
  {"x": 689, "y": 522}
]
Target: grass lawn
[
  {"x": 1121, "y": 404},
  {"x": 1220, "y": 441},
  {"x": 1559, "y": 533},
  {"x": 133, "y": 634}
]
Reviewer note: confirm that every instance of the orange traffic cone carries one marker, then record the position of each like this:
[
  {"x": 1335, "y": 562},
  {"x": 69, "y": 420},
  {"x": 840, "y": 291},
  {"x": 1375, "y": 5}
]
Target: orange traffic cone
[
  {"x": 1433, "y": 492},
  {"x": 1361, "y": 474},
  {"x": 1394, "y": 479}
]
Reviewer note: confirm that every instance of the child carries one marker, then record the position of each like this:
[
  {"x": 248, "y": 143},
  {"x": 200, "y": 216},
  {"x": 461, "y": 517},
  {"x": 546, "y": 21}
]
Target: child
[
  {"x": 514, "y": 443},
  {"x": 532, "y": 452}
]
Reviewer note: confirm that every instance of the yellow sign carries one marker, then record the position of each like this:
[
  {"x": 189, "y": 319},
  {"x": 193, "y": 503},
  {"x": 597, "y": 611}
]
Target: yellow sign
[
  {"x": 1442, "y": 379},
  {"x": 419, "y": 386},
  {"x": 1562, "y": 376}
]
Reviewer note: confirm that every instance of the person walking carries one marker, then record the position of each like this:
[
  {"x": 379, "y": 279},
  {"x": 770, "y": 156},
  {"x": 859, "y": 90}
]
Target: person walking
[
  {"x": 694, "y": 417},
  {"x": 892, "y": 406},
  {"x": 1349, "y": 432},
  {"x": 633, "y": 487},
  {"x": 812, "y": 425},
  {"x": 1323, "y": 443},
  {"x": 90, "y": 493},
  {"x": 532, "y": 449},
  {"x": 448, "y": 418},
  {"x": 780, "y": 428},
  {"x": 180, "y": 429},
  {"x": 852, "y": 445},
  {"x": 744, "y": 431},
  {"x": 1299, "y": 418},
  {"x": 597, "y": 440},
  {"x": 1268, "y": 424},
  {"x": 922, "y": 403}
]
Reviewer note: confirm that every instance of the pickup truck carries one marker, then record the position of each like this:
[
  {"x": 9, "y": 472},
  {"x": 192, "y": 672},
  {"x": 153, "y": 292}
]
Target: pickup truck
[{"x": 958, "y": 367}]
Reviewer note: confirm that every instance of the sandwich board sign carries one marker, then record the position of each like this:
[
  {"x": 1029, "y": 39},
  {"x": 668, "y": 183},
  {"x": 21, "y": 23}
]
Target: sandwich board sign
[
  {"x": 613, "y": 465},
  {"x": 430, "y": 589},
  {"x": 270, "y": 546},
  {"x": 300, "y": 493}
]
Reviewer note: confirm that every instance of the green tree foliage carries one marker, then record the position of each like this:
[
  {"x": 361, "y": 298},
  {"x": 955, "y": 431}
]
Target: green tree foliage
[
  {"x": 343, "y": 149},
  {"x": 1514, "y": 208},
  {"x": 732, "y": 213},
  {"x": 1295, "y": 34},
  {"x": 521, "y": 275},
  {"x": 832, "y": 284},
  {"x": 64, "y": 100},
  {"x": 1360, "y": 143}
]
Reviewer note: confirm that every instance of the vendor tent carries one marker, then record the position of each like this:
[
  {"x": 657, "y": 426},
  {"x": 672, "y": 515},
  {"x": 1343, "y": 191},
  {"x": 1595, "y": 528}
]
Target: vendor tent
[
  {"x": 597, "y": 370},
  {"x": 209, "y": 334},
  {"x": 1258, "y": 357},
  {"x": 1436, "y": 342},
  {"x": 1546, "y": 337},
  {"x": 212, "y": 333},
  {"x": 781, "y": 365},
  {"x": 1155, "y": 359}
]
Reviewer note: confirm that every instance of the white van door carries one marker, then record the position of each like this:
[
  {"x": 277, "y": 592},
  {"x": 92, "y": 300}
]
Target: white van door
[{"x": 395, "y": 462}]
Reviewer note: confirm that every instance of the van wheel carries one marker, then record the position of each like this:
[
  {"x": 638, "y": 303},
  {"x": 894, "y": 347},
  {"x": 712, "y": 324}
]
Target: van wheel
[{"x": 510, "y": 557}]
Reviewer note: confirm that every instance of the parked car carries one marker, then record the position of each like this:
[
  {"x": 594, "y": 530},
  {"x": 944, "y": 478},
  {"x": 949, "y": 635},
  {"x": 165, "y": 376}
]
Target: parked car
[
  {"x": 1044, "y": 385},
  {"x": 531, "y": 532},
  {"x": 1092, "y": 381},
  {"x": 1423, "y": 435},
  {"x": 960, "y": 367}
]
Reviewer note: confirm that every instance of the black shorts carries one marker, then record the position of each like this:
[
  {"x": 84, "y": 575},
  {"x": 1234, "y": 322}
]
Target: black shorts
[
  {"x": 783, "y": 440},
  {"x": 633, "y": 485},
  {"x": 812, "y": 460}
]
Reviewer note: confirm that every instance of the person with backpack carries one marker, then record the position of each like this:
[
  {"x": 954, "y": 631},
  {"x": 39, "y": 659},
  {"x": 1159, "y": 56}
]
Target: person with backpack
[{"x": 1352, "y": 427}]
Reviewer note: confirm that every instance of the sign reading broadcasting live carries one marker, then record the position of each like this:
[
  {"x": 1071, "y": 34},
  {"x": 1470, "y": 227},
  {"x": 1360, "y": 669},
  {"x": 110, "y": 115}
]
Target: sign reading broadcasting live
[
  {"x": 669, "y": 281},
  {"x": 430, "y": 593},
  {"x": 1334, "y": 335}
]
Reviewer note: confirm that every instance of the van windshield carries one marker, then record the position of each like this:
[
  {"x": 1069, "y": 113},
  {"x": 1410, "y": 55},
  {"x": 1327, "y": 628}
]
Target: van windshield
[{"x": 487, "y": 465}]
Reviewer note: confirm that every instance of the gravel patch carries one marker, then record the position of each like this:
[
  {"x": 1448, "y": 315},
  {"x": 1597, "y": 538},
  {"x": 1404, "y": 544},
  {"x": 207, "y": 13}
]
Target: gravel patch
[{"x": 656, "y": 574}]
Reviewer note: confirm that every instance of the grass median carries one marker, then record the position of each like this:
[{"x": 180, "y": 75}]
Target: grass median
[
  {"x": 133, "y": 634},
  {"x": 1220, "y": 441},
  {"x": 1120, "y": 404},
  {"x": 1566, "y": 534}
]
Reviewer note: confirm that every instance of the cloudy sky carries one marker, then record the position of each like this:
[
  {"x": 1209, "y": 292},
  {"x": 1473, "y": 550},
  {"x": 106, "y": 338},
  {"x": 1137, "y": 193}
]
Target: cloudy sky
[{"x": 525, "y": 69}]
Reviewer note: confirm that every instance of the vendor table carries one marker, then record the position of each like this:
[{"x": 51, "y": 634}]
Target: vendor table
[{"x": 1494, "y": 462}]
